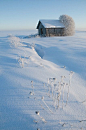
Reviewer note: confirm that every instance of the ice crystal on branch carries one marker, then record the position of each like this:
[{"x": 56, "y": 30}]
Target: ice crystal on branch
[{"x": 69, "y": 29}]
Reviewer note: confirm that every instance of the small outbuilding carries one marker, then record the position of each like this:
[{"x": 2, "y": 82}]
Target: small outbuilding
[{"x": 50, "y": 28}]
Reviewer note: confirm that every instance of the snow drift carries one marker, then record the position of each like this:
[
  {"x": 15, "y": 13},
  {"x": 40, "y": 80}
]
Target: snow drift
[{"x": 38, "y": 93}]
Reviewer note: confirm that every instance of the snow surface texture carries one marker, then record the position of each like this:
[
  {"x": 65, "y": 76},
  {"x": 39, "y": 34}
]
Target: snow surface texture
[
  {"x": 36, "y": 90},
  {"x": 69, "y": 29},
  {"x": 52, "y": 23}
]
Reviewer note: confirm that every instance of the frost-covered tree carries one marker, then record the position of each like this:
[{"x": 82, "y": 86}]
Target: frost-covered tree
[{"x": 69, "y": 29}]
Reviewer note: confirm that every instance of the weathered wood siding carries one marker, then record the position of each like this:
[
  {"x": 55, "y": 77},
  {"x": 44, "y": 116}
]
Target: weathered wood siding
[
  {"x": 41, "y": 30},
  {"x": 54, "y": 32}
]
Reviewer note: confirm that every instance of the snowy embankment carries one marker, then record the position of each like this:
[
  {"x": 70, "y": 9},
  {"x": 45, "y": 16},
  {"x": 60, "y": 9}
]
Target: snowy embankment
[{"x": 36, "y": 90}]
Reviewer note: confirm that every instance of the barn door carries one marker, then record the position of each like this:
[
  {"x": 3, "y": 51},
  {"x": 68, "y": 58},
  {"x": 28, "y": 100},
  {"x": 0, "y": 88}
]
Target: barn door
[{"x": 41, "y": 31}]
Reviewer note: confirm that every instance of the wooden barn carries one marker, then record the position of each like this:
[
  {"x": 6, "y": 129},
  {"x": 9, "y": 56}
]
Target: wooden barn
[{"x": 49, "y": 28}]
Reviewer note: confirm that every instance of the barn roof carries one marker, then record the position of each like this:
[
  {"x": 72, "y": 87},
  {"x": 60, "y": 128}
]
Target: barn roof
[{"x": 51, "y": 23}]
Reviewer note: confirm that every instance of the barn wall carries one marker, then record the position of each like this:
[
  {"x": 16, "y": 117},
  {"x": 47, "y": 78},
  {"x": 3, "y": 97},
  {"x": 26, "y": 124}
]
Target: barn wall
[
  {"x": 54, "y": 32},
  {"x": 43, "y": 30}
]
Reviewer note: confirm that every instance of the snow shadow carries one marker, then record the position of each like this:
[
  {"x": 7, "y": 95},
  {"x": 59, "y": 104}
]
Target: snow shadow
[
  {"x": 40, "y": 51},
  {"x": 8, "y": 61},
  {"x": 63, "y": 58},
  {"x": 12, "y": 116},
  {"x": 31, "y": 36}
]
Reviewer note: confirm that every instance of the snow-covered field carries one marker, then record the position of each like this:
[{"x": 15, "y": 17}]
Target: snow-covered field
[{"x": 42, "y": 81}]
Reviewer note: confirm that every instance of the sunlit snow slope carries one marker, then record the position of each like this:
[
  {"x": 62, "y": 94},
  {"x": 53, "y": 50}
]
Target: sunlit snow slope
[{"x": 36, "y": 90}]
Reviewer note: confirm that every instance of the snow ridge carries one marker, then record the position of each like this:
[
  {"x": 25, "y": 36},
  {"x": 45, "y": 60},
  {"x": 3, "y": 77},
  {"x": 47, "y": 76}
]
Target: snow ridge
[{"x": 38, "y": 90}]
